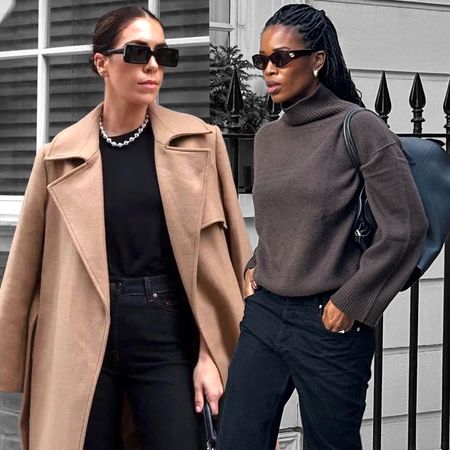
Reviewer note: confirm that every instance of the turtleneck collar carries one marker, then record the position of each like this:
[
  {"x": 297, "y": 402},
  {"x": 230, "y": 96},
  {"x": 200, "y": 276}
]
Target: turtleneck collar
[{"x": 321, "y": 104}]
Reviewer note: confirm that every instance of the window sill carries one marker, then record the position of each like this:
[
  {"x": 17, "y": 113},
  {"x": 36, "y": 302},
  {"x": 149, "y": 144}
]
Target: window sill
[{"x": 10, "y": 206}]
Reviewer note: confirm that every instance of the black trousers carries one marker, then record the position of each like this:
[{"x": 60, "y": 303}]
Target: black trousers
[
  {"x": 151, "y": 351},
  {"x": 283, "y": 345}
]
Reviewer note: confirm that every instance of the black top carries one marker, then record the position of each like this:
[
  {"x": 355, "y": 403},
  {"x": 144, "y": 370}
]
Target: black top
[{"x": 137, "y": 240}]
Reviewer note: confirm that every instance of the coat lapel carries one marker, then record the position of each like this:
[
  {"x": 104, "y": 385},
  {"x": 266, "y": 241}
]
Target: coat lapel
[
  {"x": 181, "y": 179},
  {"x": 79, "y": 197},
  {"x": 182, "y": 172}
]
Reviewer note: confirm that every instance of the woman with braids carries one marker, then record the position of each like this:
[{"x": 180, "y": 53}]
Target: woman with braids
[
  {"x": 121, "y": 299},
  {"x": 313, "y": 297}
]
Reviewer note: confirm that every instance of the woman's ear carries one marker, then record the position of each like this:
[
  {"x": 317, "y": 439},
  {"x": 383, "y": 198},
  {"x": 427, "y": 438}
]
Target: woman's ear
[
  {"x": 101, "y": 64},
  {"x": 319, "y": 60}
]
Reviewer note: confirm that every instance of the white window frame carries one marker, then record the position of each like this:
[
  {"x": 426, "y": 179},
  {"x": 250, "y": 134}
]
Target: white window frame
[
  {"x": 10, "y": 205},
  {"x": 231, "y": 26}
]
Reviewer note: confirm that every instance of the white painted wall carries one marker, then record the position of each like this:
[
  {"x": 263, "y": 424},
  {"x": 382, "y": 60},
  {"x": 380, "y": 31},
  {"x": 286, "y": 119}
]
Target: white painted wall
[{"x": 401, "y": 37}]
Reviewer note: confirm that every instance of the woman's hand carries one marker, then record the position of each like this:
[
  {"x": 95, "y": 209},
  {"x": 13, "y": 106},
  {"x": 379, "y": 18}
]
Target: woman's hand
[
  {"x": 335, "y": 320},
  {"x": 207, "y": 383},
  {"x": 250, "y": 284}
]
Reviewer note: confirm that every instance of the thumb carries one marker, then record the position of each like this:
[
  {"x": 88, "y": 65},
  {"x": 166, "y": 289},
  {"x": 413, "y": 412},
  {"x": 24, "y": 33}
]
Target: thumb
[{"x": 198, "y": 398}]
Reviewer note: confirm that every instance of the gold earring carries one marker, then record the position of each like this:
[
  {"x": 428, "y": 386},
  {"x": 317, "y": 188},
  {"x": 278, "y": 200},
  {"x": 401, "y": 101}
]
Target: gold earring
[{"x": 316, "y": 73}]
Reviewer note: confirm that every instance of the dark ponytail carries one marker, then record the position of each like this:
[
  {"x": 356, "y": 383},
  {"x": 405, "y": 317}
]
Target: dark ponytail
[{"x": 318, "y": 33}]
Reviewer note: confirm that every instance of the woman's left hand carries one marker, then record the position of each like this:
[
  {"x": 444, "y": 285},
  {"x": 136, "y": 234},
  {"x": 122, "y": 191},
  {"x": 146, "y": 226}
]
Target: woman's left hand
[
  {"x": 207, "y": 383},
  {"x": 335, "y": 320}
]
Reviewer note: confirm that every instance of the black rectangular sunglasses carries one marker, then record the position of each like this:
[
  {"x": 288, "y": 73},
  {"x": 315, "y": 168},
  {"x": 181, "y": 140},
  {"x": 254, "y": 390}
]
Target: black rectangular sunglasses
[{"x": 141, "y": 54}]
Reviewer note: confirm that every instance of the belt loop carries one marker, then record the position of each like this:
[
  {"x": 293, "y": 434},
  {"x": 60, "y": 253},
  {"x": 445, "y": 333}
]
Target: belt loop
[{"x": 148, "y": 289}]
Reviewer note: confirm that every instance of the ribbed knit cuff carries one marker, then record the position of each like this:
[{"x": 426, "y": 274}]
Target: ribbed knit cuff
[{"x": 359, "y": 302}]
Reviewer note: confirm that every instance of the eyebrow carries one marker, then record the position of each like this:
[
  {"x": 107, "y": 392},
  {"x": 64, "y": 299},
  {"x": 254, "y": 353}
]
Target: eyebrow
[
  {"x": 276, "y": 49},
  {"x": 138, "y": 42}
]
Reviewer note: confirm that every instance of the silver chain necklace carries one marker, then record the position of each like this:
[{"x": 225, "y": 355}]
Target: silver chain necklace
[{"x": 127, "y": 141}]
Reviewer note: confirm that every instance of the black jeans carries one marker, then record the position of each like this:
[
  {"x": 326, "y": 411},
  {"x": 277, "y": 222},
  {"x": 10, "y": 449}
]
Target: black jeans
[
  {"x": 283, "y": 345},
  {"x": 151, "y": 351}
]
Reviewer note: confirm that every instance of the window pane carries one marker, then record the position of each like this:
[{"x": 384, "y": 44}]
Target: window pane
[
  {"x": 185, "y": 18},
  {"x": 220, "y": 38},
  {"x": 3, "y": 258},
  {"x": 219, "y": 11},
  {"x": 73, "y": 21},
  {"x": 19, "y": 29},
  {"x": 17, "y": 123},
  {"x": 186, "y": 87},
  {"x": 74, "y": 91},
  {"x": 6, "y": 234}
]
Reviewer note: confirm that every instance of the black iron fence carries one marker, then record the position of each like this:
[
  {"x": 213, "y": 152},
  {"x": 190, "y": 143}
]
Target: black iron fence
[{"x": 240, "y": 147}]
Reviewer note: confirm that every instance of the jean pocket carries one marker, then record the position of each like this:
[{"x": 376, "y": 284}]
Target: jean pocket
[
  {"x": 356, "y": 328},
  {"x": 170, "y": 301},
  {"x": 249, "y": 297}
]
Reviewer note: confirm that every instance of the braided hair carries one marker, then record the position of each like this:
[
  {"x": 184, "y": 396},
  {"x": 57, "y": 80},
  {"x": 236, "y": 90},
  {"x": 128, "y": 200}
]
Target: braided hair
[{"x": 319, "y": 33}]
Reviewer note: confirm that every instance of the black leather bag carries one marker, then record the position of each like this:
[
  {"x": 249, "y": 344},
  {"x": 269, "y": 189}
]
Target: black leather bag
[{"x": 430, "y": 168}]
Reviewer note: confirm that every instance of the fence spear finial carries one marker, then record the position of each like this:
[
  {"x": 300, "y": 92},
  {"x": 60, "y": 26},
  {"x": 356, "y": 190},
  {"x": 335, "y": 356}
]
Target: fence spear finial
[
  {"x": 235, "y": 102},
  {"x": 272, "y": 108},
  {"x": 417, "y": 101},
  {"x": 446, "y": 107},
  {"x": 383, "y": 104}
]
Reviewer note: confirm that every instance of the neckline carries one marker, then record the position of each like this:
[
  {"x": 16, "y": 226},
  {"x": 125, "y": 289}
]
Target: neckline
[{"x": 322, "y": 103}]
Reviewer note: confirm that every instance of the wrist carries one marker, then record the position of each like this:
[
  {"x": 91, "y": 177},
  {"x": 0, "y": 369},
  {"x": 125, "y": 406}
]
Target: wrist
[{"x": 204, "y": 357}]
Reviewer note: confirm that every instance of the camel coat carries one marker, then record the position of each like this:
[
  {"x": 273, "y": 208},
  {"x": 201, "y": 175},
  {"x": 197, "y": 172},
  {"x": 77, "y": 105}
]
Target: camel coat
[{"x": 54, "y": 299}]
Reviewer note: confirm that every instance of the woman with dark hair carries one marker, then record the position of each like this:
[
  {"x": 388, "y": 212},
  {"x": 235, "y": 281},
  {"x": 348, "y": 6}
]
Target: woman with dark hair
[
  {"x": 313, "y": 297},
  {"x": 122, "y": 294}
]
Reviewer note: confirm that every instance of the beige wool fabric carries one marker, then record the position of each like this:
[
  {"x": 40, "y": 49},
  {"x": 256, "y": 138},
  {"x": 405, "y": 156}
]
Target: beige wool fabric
[{"x": 54, "y": 299}]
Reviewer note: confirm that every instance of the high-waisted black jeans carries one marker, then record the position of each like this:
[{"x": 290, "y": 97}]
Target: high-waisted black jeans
[
  {"x": 150, "y": 355},
  {"x": 284, "y": 345}
]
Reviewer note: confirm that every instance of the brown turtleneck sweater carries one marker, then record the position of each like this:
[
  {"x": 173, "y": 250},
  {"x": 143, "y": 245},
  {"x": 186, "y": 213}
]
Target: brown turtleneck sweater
[{"x": 305, "y": 192}]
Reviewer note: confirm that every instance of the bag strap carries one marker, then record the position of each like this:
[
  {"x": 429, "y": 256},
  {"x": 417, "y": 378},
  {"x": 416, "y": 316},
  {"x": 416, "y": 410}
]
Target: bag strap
[{"x": 349, "y": 142}]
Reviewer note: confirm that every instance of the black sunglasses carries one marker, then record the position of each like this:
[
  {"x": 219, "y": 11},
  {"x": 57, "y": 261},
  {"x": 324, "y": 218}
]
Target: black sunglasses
[
  {"x": 141, "y": 54},
  {"x": 279, "y": 58}
]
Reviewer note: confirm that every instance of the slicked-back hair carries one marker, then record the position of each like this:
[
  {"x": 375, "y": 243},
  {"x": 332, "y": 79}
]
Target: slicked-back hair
[
  {"x": 109, "y": 26},
  {"x": 319, "y": 33}
]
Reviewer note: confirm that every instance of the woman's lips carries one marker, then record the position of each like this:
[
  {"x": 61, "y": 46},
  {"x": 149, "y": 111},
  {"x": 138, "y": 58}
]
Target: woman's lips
[
  {"x": 273, "y": 88},
  {"x": 149, "y": 84}
]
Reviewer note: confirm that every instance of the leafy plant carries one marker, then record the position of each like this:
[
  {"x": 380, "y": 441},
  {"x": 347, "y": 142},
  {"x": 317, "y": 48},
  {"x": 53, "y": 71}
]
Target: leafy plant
[{"x": 222, "y": 61}]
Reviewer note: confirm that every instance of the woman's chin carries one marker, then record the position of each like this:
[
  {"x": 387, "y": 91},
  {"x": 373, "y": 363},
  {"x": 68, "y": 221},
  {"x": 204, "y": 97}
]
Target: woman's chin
[
  {"x": 141, "y": 100},
  {"x": 277, "y": 99}
]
